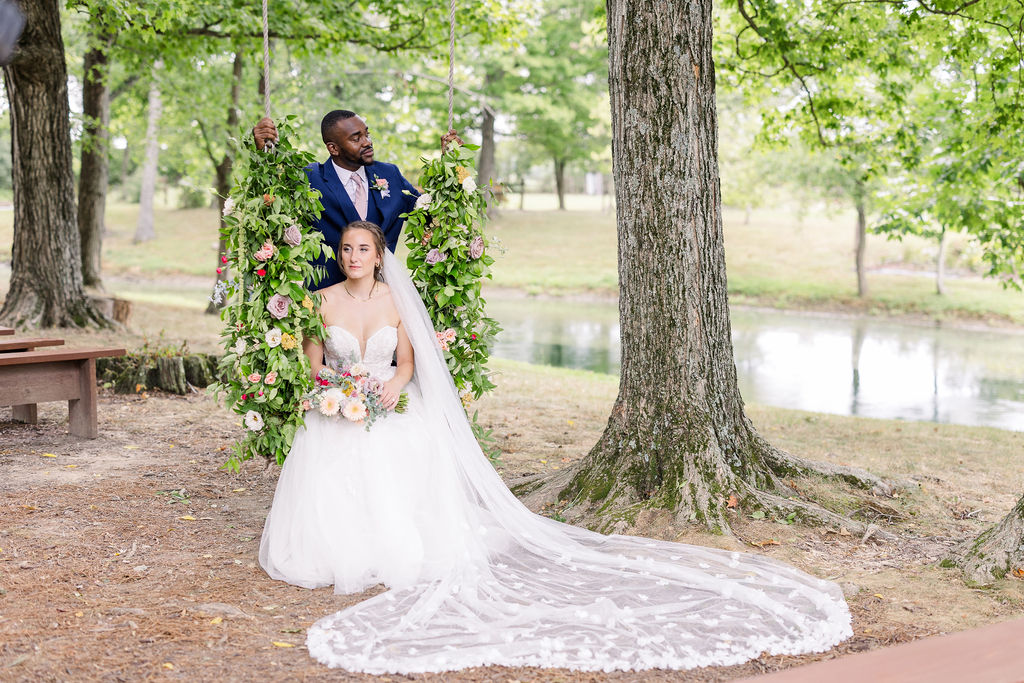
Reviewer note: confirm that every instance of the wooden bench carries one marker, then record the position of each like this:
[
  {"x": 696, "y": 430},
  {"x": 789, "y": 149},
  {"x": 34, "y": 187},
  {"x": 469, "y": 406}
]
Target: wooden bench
[
  {"x": 8, "y": 345},
  {"x": 6, "y": 330},
  {"x": 31, "y": 377}
]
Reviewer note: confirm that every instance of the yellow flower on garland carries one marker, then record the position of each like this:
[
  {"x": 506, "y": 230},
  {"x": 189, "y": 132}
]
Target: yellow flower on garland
[
  {"x": 287, "y": 342},
  {"x": 307, "y": 303},
  {"x": 461, "y": 172}
]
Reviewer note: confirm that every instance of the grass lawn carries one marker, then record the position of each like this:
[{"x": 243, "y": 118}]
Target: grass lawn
[{"x": 779, "y": 259}]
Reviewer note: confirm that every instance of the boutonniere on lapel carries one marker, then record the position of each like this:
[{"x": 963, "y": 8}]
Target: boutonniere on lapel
[{"x": 381, "y": 185}]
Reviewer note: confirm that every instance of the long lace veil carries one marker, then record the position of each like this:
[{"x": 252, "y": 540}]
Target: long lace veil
[{"x": 525, "y": 590}]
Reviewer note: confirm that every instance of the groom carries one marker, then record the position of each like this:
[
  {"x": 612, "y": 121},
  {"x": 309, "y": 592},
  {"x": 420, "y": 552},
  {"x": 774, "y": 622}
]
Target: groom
[{"x": 352, "y": 185}]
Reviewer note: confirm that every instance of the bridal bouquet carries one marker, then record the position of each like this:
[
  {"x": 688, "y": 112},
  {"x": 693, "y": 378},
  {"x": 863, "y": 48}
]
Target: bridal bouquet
[{"x": 350, "y": 393}]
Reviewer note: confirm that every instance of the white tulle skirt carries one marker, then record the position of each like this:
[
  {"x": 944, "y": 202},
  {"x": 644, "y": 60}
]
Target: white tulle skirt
[{"x": 354, "y": 508}]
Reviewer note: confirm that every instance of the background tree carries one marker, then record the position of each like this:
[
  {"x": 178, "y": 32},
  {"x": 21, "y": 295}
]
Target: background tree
[
  {"x": 678, "y": 438},
  {"x": 554, "y": 81},
  {"x": 46, "y": 281}
]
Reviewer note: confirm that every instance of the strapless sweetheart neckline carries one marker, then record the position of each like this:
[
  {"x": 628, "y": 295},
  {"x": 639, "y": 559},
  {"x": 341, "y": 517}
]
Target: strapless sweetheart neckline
[{"x": 362, "y": 347}]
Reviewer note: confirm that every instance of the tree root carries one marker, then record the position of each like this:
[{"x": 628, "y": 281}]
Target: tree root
[
  {"x": 815, "y": 514},
  {"x": 784, "y": 464}
]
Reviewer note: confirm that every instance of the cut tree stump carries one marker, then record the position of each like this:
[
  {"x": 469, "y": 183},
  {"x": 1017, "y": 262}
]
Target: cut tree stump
[{"x": 118, "y": 310}]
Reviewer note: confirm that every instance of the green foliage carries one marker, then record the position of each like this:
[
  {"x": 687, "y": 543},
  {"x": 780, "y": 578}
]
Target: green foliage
[
  {"x": 447, "y": 260},
  {"x": 272, "y": 194}
]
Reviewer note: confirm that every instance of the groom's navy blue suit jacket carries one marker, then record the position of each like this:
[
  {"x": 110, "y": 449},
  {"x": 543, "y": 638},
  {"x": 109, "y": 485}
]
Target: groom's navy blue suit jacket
[{"x": 339, "y": 210}]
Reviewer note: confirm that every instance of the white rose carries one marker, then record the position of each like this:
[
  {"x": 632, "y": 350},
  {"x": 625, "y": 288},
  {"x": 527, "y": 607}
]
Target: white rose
[
  {"x": 273, "y": 337},
  {"x": 240, "y": 347},
  {"x": 254, "y": 421},
  {"x": 229, "y": 206},
  {"x": 423, "y": 201},
  {"x": 469, "y": 185}
]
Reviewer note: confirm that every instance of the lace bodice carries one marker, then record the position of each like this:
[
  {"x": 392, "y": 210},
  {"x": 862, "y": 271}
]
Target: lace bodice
[{"x": 342, "y": 348}]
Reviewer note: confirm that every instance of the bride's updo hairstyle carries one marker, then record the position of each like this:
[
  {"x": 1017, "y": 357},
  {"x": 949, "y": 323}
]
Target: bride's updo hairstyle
[{"x": 378, "y": 241}]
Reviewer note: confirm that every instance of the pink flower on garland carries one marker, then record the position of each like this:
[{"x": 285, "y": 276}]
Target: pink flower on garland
[
  {"x": 476, "y": 247},
  {"x": 278, "y": 306},
  {"x": 292, "y": 235},
  {"x": 434, "y": 256}
]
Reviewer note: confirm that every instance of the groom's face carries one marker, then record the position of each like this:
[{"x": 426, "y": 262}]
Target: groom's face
[{"x": 350, "y": 143}]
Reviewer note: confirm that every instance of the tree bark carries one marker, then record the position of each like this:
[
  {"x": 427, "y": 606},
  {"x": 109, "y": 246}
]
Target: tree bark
[
  {"x": 940, "y": 265},
  {"x": 677, "y": 438},
  {"x": 560, "y": 182},
  {"x": 485, "y": 172},
  {"x": 223, "y": 169},
  {"x": 862, "y": 238},
  {"x": 485, "y": 169},
  {"x": 94, "y": 172},
  {"x": 46, "y": 279},
  {"x": 995, "y": 553},
  {"x": 144, "y": 228}
]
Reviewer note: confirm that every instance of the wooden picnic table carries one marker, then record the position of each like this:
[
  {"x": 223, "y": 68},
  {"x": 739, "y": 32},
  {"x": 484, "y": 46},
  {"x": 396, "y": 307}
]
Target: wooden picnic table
[
  {"x": 18, "y": 344},
  {"x": 31, "y": 377},
  {"x": 6, "y": 330}
]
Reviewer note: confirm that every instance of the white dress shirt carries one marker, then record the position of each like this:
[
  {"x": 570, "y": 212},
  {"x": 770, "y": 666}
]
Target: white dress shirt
[{"x": 345, "y": 176}]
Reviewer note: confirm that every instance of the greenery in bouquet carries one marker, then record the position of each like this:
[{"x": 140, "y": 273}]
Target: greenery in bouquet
[
  {"x": 270, "y": 244},
  {"x": 448, "y": 260}
]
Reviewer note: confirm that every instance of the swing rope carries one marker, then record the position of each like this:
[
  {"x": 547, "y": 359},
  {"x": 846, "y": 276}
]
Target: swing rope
[
  {"x": 451, "y": 65},
  {"x": 266, "y": 62}
]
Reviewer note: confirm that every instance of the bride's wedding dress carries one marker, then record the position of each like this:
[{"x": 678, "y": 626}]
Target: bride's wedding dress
[{"x": 475, "y": 578}]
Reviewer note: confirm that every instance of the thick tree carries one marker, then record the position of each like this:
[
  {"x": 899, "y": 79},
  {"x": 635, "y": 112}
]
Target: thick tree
[
  {"x": 92, "y": 178},
  {"x": 46, "y": 282},
  {"x": 678, "y": 437}
]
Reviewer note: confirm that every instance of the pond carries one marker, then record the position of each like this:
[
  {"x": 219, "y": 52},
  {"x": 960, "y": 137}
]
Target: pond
[{"x": 834, "y": 364}]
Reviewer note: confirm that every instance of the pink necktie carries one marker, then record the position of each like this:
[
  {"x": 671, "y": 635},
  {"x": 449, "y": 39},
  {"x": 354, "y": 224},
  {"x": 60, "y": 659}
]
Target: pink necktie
[{"x": 359, "y": 195}]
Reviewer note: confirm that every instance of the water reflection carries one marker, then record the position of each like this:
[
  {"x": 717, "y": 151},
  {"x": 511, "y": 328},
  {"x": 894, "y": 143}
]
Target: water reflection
[{"x": 848, "y": 365}]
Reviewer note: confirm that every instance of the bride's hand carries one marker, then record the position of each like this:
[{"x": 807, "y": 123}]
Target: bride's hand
[{"x": 390, "y": 393}]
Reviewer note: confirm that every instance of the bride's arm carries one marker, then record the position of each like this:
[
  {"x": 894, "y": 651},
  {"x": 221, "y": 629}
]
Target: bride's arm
[
  {"x": 403, "y": 373},
  {"x": 314, "y": 350}
]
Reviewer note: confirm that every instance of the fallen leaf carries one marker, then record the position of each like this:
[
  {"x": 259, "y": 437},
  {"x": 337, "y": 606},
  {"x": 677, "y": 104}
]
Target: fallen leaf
[
  {"x": 168, "y": 665},
  {"x": 49, "y": 455},
  {"x": 188, "y": 518},
  {"x": 878, "y": 595},
  {"x": 30, "y": 507},
  {"x": 79, "y": 614},
  {"x": 733, "y": 501},
  {"x": 237, "y": 490},
  {"x": 277, "y": 643},
  {"x": 216, "y": 620},
  {"x": 843, "y": 531},
  {"x": 69, "y": 466},
  {"x": 1018, "y": 572},
  {"x": 757, "y": 514},
  {"x": 770, "y": 541},
  {"x": 131, "y": 448},
  {"x": 571, "y": 423}
]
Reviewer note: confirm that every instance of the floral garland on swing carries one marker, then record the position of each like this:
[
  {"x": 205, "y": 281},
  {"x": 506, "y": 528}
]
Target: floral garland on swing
[{"x": 270, "y": 243}]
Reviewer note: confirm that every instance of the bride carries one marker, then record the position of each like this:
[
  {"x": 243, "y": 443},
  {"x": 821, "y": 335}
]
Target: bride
[{"x": 475, "y": 578}]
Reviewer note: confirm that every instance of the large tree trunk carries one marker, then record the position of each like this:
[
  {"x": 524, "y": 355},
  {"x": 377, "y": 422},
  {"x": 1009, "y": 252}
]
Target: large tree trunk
[
  {"x": 46, "y": 279},
  {"x": 862, "y": 238},
  {"x": 223, "y": 169},
  {"x": 92, "y": 179},
  {"x": 560, "y": 182},
  {"x": 144, "y": 228},
  {"x": 678, "y": 437},
  {"x": 997, "y": 552}
]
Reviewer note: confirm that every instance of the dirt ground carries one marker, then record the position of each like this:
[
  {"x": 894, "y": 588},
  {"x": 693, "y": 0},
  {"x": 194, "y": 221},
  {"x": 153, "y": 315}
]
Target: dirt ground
[{"x": 133, "y": 557}]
